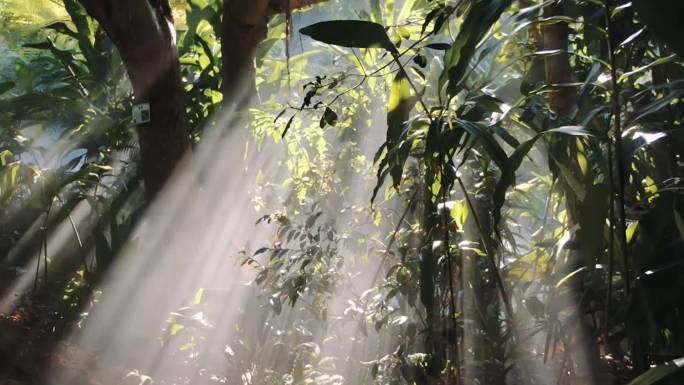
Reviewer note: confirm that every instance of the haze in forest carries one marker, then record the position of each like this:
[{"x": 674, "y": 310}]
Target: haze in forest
[{"x": 341, "y": 192}]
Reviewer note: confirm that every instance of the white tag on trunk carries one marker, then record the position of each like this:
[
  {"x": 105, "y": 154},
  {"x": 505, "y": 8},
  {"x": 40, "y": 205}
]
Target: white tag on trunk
[{"x": 141, "y": 113}]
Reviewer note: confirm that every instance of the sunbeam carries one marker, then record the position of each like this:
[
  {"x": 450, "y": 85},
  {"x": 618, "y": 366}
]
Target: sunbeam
[{"x": 338, "y": 192}]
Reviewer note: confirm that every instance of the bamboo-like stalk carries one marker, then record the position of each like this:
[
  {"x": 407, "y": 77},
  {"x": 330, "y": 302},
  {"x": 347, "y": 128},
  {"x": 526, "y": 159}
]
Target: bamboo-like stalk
[
  {"x": 452, "y": 298},
  {"x": 490, "y": 256},
  {"x": 617, "y": 139},
  {"x": 79, "y": 241},
  {"x": 611, "y": 242}
]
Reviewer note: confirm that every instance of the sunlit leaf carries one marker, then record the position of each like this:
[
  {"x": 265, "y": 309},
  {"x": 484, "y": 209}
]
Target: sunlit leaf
[{"x": 569, "y": 276}]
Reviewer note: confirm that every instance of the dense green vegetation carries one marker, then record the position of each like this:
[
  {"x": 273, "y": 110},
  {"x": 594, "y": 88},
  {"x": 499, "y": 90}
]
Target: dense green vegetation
[{"x": 448, "y": 192}]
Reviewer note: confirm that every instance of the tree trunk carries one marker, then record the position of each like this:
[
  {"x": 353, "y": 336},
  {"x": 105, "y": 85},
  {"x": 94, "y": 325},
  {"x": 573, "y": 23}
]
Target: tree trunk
[
  {"x": 244, "y": 27},
  {"x": 144, "y": 34},
  {"x": 562, "y": 101},
  {"x": 558, "y": 69}
]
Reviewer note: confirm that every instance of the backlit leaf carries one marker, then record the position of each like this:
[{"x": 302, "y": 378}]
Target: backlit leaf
[{"x": 350, "y": 33}]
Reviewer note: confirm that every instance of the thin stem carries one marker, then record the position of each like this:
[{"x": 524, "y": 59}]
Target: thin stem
[
  {"x": 547, "y": 206},
  {"x": 617, "y": 137},
  {"x": 452, "y": 297},
  {"x": 611, "y": 242},
  {"x": 394, "y": 235},
  {"x": 45, "y": 244},
  {"x": 491, "y": 259},
  {"x": 84, "y": 260}
]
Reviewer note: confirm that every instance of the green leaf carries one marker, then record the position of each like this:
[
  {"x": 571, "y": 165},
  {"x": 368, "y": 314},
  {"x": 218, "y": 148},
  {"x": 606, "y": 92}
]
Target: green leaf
[
  {"x": 329, "y": 118},
  {"x": 96, "y": 55},
  {"x": 350, "y": 33},
  {"x": 659, "y": 61},
  {"x": 61, "y": 27},
  {"x": 515, "y": 160},
  {"x": 197, "y": 299},
  {"x": 476, "y": 24},
  {"x": 399, "y": 107},
  {"x": 459, "y": 212},
  {"x": 656, "y": 374},
  {"x": 631, "y": 229},
  {"x": 676, "y": 92},
  {"x": 483, "y": 135},
  {"x": 438, "y": 46},
  {"x": 398, "y": 143},
  {"x": 569, "y": 276}
]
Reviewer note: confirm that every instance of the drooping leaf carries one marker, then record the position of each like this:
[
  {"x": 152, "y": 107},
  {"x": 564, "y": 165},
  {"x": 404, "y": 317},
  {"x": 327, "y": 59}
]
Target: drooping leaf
[
  {"x": 287, "y": 126},
  {"x": 515, "y": 160},
  {"x": 399, "y": 107},
  {"x": 476, "y": 24},
  {"x": 350, "y": 33},
  {"x": 481, "y": 134},
  {"x": 95, "y": 54},
  {"x": 676, "y": 92},
  {"x": 61, "y": 27},
  {"x": 642, "y": 69},
  {"x": 569, "y": 276}
]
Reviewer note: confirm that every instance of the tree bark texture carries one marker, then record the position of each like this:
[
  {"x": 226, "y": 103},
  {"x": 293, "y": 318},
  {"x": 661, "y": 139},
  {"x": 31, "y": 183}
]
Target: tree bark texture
[
  {"x": 244, "y": 27},
  {"x": 144, "y": 34},
  {"x": 558, "y": 69}
]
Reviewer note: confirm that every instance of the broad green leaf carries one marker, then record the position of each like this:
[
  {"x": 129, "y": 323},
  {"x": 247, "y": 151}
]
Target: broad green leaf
[{"x": 350, "y": 33}]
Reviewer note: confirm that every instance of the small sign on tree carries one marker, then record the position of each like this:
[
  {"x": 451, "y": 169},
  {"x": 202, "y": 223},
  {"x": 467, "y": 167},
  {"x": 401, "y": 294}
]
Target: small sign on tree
[{"x": 141, "y": 113}]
